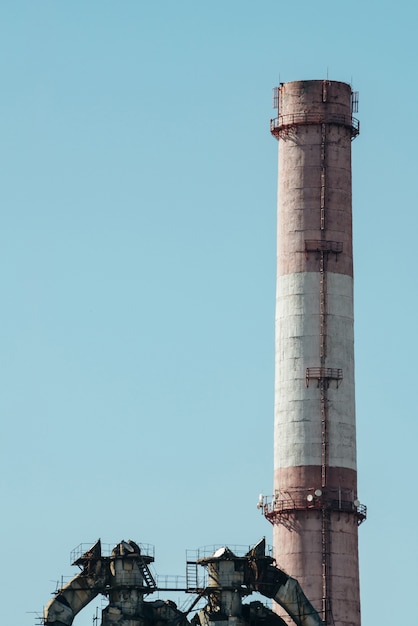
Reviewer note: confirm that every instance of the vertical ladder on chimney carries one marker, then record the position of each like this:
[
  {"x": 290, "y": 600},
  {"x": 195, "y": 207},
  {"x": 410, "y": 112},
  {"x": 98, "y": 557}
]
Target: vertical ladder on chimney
[{"x": 323, "y": 386}]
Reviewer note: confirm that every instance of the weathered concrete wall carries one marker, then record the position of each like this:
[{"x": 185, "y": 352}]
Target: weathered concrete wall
[
  {"x": 301, "y": 554},
  {"x": 298, "y": 430}
]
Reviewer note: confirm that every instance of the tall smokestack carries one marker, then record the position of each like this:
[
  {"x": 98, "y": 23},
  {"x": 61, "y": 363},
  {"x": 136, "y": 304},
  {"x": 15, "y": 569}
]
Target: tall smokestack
[{"x": 315, "y": 510}]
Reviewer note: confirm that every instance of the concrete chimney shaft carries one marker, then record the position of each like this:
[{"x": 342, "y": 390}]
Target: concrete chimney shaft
[{"x": 315, "y": 510}]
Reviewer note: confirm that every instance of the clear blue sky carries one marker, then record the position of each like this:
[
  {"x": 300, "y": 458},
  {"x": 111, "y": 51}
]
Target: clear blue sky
[{"x": 137, "y": 276}]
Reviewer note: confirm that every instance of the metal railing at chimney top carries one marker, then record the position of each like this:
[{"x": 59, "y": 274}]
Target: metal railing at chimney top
[{"x": 284, "y": 122}]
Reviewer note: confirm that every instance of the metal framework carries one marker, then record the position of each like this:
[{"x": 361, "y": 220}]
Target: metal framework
[
  {"x": 285, "y": 503},
  {"x": 283, "y": 124}
]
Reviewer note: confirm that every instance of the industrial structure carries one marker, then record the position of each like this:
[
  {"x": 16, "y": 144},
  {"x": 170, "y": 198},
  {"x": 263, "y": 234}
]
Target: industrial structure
[
  {"x": 315, "y": 508},
  {"x": 124, "y": 578}
]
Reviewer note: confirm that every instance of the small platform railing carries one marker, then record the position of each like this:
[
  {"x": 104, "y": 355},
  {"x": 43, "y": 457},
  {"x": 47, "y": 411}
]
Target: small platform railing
[
  {"x": 283, "y": 123},
  {"x": 147, "y": 550},
  {"x": 276, "y": 508}
]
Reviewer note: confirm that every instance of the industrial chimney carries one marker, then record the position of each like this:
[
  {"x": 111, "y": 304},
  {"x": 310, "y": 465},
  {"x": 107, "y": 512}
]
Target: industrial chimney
[{"x": 315, "y": 509}]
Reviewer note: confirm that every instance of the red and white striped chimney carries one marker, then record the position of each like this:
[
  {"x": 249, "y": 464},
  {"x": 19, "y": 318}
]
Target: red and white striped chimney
[{"x": 315, "y": 509}]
